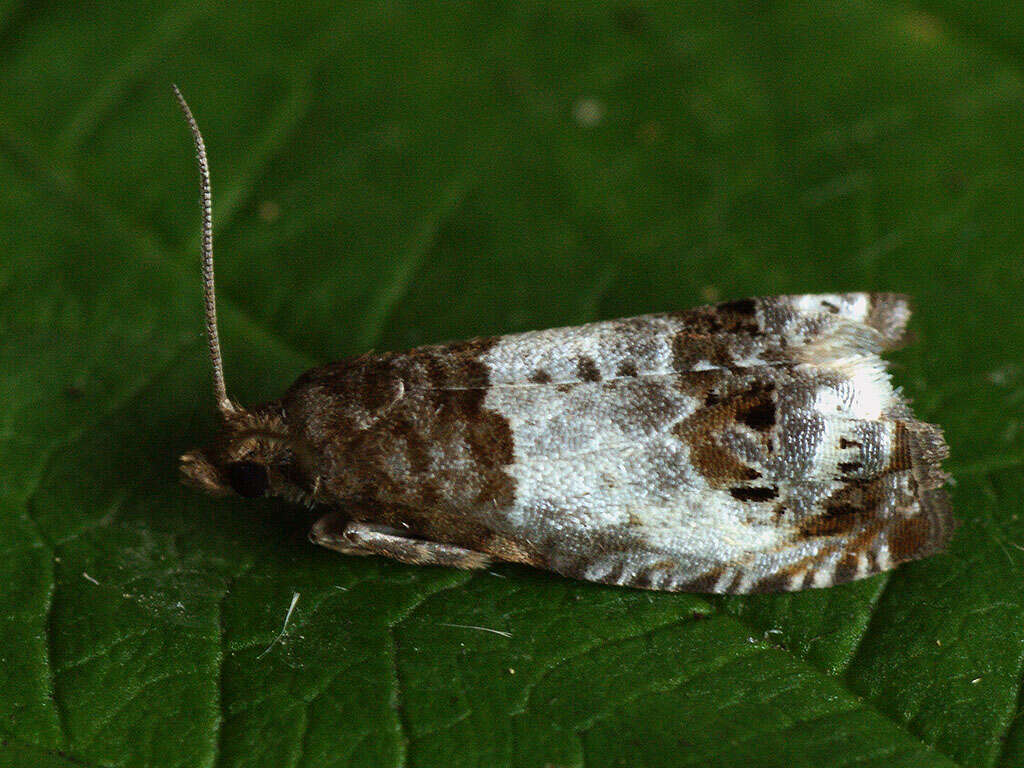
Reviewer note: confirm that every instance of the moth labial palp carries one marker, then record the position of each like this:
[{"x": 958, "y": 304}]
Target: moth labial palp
[{"x": 755, "y": 445}]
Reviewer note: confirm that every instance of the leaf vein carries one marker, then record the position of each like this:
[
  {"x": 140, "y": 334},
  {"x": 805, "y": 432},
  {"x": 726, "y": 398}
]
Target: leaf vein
[
  {"x": 1011, "y": 718},
  {"x": 400, "y": 726}
]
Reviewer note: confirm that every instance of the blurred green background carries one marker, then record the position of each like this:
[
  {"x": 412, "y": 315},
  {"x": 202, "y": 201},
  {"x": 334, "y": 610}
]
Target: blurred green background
[{"x": 388, "y": 174}]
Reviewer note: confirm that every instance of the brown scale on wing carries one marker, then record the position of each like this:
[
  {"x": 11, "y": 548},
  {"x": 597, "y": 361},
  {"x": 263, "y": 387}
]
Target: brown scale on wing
[
  {"x": 650, "y": 577},
  {"x": 861, "y": 518},
  {"x": 705, "y": 582},
  {"x": 864, "y": 524},
  {"x": 908, "y": 538},
  {"x": 689, "y": 349},
  {"x": 868, "y": 524},
  {"x": 925, "y": 534},
  {"x": 802, "y": 571},
  {"x": 756, "y": 407},
  {"x": 718, "y": 334},
  {"x": 408, "y": 441},
  {"x": 729, "y": 318},
  {"x": 751, "y": 404},
  {"x": 587, "y": 369},
  {"x": 853, "y": 546},
  {"x": 900, "y": 458},
  {"x": 626, "y": 369},
  {"x": 888, "y": 314},
  {"x": 845, "y": 510},
  {"x": 916, "y": 454},
  {"x": 719, "y": 465}
]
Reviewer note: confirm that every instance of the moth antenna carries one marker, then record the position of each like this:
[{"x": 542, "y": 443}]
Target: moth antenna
[{"x": 220, "y": 392}]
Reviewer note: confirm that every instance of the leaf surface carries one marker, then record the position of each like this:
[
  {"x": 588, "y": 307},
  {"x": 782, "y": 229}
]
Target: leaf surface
[{"x": 387, "y": 175}]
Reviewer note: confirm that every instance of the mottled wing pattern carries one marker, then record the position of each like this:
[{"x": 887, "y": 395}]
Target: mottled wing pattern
[{"x": 756, "y": 445}]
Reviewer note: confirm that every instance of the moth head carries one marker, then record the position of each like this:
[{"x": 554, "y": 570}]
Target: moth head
[{"x": 252, "y": 456}]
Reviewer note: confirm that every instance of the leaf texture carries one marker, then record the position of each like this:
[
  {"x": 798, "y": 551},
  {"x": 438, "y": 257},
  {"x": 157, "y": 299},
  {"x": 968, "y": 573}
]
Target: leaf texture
[{"x": 387, "y": 175}]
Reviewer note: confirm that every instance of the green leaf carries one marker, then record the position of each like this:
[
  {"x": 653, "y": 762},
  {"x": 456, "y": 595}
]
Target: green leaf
[{"x": 391, "y": 174}]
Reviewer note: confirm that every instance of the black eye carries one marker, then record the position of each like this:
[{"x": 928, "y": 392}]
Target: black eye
[{"x": 248, "y": 479}]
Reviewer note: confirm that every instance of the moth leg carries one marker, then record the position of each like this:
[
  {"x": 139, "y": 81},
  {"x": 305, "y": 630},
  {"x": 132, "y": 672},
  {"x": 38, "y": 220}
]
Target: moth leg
[{"x": 353, "y": 538}]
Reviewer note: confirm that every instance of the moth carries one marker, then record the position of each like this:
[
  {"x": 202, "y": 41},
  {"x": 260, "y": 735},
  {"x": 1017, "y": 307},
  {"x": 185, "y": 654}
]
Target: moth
[{"x": 750, "y": 446}]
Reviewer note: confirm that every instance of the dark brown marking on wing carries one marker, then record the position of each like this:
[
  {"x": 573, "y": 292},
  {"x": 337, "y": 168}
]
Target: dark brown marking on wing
[
  {"x": 753, "y": 406},
  {"x": 731, "y": 317},
  {"x": 783, "y": 579},
  {"x": 845, "y": 510},
  {"x": 777, "y": 581},
  {"x": 540, "y": 376},
  {"x": 860, "y": 544},
  {"x": 846, "y": 567},
  {"x": 832, "y": 308},
  {"x": 427, "y": 461},
  {"x": 690, "y": 349},
  {"x": 717, "y": 464},
  {"x": 614, "y": 576},
  {"x": 846, "y": 443},
  {"x": 704, "y": 583},
  {"x": 587, "y": 370},
  {"x": 908, "y": 537},
  {"x": 754, "y": 494},
  {"x": 733, "y": 587},
  {"x": 757, "y": 408},
  {"x": 926, "y": 532},
  {"x": 839, "y": 521},
  {"x": 741, "y": 308},
  {"x": 714, "y": 334},
  {"x": 900, "y": 457},
  {"x": 626, "y": 368},
  {"x": 643, "y": 580},
  {"x": 490, "y": 439},
  {"x": 852, "y": 548}
]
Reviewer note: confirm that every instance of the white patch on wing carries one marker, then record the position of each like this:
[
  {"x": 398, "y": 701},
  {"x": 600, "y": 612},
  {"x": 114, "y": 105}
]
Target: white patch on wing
[
  {"x": 645, "y": 342},
  {"x": 605, "y": 490},
  {"x": 724, "y": 580},
  {"x": 747, "y": 581},
  {"x": 797, "y": 580},
  {"x": 862, "y": 564},
  {"x": 598, "y": 459},
  {"x": 853, "y": 306},
  {"x": 862, "y": 392},
  {"x": 867, "y": 458},
  {"x": 824, "y": 574},
  {"x": 882, "y": 557}
]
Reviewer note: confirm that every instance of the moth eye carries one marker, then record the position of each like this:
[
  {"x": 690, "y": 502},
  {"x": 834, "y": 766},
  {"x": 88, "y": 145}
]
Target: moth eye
[{"x": 248, "y": 479}]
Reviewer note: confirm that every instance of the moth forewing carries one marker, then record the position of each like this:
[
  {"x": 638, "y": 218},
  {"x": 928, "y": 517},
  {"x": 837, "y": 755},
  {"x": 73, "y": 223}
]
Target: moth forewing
[{"x": 754, "y": 445}]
